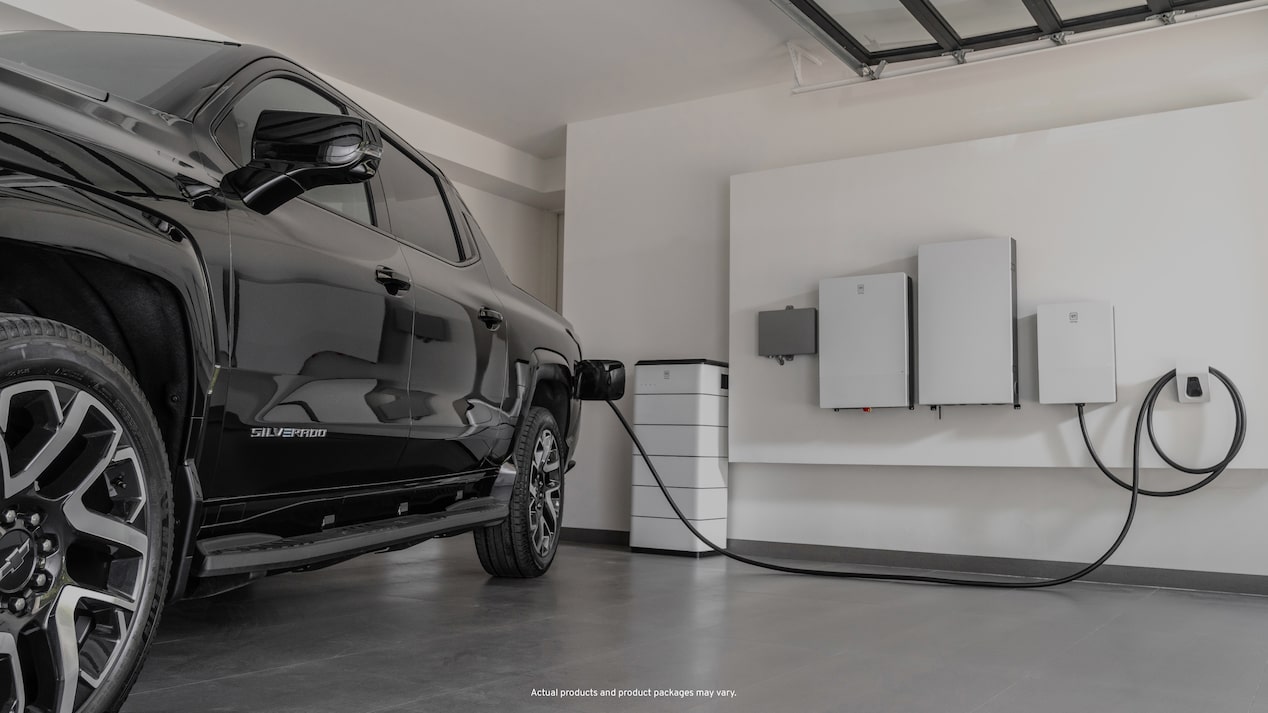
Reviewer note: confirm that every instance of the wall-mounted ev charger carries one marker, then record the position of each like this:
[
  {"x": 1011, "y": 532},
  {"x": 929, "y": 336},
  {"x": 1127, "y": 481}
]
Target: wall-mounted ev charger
[{"x": 1193, "y": 381}]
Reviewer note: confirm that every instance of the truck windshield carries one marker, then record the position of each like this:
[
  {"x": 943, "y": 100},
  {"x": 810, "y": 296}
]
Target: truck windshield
[{"x": 143, "y": 68}]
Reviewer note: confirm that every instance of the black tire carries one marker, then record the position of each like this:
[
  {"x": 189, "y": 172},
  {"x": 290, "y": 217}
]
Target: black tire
[
  {"x": 514, "y": 548},
  {"x": 110, "y": 504}
]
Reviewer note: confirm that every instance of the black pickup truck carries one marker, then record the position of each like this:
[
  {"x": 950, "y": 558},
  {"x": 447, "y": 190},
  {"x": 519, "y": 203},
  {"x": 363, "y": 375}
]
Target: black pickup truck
[{"x": 244, "y": 329}]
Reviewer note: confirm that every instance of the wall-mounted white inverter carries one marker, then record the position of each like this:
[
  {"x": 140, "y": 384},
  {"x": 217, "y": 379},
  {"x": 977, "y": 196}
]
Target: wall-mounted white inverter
[
  {"x": 1076, "y": 353},
  {"x": 865, "y": 350},
  {"x": 967, "y": 317}
]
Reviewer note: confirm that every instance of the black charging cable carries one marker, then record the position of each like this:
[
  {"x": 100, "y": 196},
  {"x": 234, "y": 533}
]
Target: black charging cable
[
  {"x": 1211, "y": 473},
  {"x": 1144, "y": 422}
]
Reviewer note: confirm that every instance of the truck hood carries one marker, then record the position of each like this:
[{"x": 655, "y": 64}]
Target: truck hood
[{"x": 158, "y": 140}]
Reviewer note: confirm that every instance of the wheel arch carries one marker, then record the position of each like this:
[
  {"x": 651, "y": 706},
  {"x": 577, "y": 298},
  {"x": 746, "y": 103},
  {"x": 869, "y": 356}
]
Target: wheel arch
[
  {"x": 551, "y": 387},
  {"x": 143, "y": 293}
]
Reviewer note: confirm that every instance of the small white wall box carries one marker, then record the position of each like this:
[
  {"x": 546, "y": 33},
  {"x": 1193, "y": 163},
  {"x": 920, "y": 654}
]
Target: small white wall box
[
  {"x": 865, "y": 354},
  {"x": 680, "y": 415},
  {"x": 1076, "y": 353},
  {"x": 785, "y": 333},
  {"x": 967, "y": 314}
]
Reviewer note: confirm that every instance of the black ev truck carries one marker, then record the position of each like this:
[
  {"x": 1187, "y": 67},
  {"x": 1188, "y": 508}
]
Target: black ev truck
[{"x": 245, "y": 329}]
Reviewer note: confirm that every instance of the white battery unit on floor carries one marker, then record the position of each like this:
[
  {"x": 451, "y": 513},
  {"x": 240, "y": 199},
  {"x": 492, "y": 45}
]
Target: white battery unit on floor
[
  {"x": 1076, "y": 353},
  {"x": 967, "y": 316},
  {"x": 865, "y": 342},
  {"x": 680, "y": 417}
]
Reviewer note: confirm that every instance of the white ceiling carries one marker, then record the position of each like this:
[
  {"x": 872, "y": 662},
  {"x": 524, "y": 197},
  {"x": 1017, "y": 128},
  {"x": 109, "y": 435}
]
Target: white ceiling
[
  {"x": 11, "y": 19},
  {"x": 519, "y": 70}
]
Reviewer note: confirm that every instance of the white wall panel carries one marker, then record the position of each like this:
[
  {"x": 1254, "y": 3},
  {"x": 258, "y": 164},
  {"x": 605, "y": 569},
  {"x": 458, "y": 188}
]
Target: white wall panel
[{"x": 1082, "y": 203}]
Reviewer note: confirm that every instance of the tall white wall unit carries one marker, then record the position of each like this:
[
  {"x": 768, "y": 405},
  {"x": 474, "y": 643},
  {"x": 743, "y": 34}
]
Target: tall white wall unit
[
  {"x": 968, "y": 322},
  {"x": 680, "y": 415}
]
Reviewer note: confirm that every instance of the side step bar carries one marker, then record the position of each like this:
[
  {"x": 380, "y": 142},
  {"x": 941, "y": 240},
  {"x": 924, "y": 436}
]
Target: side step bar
[{"x": 243, "y": 554}]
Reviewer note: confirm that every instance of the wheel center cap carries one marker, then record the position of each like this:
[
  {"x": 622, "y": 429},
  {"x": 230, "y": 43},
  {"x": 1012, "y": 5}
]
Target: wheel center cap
[{"x": 17, "y": 561}]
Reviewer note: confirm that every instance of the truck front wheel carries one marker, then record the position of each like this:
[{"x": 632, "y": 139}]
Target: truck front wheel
[
  {"x": 85, "y": 521},
  {"x": 524, "y": 544}
]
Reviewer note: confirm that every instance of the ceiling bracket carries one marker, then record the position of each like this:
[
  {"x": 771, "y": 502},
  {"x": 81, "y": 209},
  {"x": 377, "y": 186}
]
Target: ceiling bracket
[
  {"x": 961, "y": 55},
  {"x": 875, "y": 72},
  {"x": 795, "y": 54},
  {"x": 831, "y": 40},
  {"x": 1166, "y": 18},
  {"x": 1061, "y": 38}
]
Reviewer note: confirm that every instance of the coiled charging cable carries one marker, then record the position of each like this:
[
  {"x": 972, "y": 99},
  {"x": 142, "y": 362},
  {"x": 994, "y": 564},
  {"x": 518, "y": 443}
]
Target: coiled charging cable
[{"x": 1144, "y": 423}]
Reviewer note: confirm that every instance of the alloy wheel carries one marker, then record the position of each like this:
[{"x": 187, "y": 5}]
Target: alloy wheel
[
  {"x": 545, "y": 494},
  {"x": 74, "y": 545}
]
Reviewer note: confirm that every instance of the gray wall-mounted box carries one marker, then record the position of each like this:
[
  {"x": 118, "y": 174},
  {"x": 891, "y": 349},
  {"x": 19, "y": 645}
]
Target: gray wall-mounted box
[
  {"x": 787, "y": 332},
  {"x": 967, "y": 299},
  {"x": 865, "y": 350}
]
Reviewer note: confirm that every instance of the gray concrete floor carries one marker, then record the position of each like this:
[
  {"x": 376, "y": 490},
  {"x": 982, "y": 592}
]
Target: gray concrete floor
[{"x": 426, "y": 630}]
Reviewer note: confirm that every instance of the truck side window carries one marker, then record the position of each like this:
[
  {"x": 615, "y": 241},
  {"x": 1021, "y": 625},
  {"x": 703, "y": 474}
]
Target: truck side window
[
  {"x": 236, "y": 128},
  {"x": 417, "y": 205}
]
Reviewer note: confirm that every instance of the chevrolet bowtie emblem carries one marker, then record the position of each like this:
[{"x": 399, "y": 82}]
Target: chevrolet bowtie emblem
[{"x": 14, "y": 558}]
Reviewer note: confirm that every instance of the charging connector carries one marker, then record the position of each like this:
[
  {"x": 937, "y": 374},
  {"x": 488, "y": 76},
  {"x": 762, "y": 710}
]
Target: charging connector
[
  {"x": 1191, "y": 382},
  {"x": 1144, "y": 422}
]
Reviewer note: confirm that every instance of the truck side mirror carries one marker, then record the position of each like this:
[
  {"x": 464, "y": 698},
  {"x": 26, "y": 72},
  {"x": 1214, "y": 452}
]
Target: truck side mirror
[
  {"x": 600, "y": 380},
  {"x": 295, "y": 151}
]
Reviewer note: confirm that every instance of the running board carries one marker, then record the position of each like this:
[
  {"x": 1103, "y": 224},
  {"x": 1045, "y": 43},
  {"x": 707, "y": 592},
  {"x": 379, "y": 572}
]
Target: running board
[{"x": 244, "y": 554}]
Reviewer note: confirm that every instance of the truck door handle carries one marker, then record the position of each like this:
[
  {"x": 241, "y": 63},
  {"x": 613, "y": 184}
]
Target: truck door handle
[
  {"x": 491, "y": 318},
  {"x": 393, "y": 284}
]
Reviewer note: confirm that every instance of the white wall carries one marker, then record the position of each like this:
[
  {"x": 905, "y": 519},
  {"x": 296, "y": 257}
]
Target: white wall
[
  {"x": 646, "y": 265},
  {"x": 13, "y": 19},
  {"x": 526, "y": 240}
]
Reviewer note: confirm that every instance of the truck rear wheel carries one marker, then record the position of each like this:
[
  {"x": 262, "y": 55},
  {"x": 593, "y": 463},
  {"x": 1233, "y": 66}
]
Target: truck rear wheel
[
  {"x": 524, "y": 545},
  {"x": 85, "y": 522}
]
